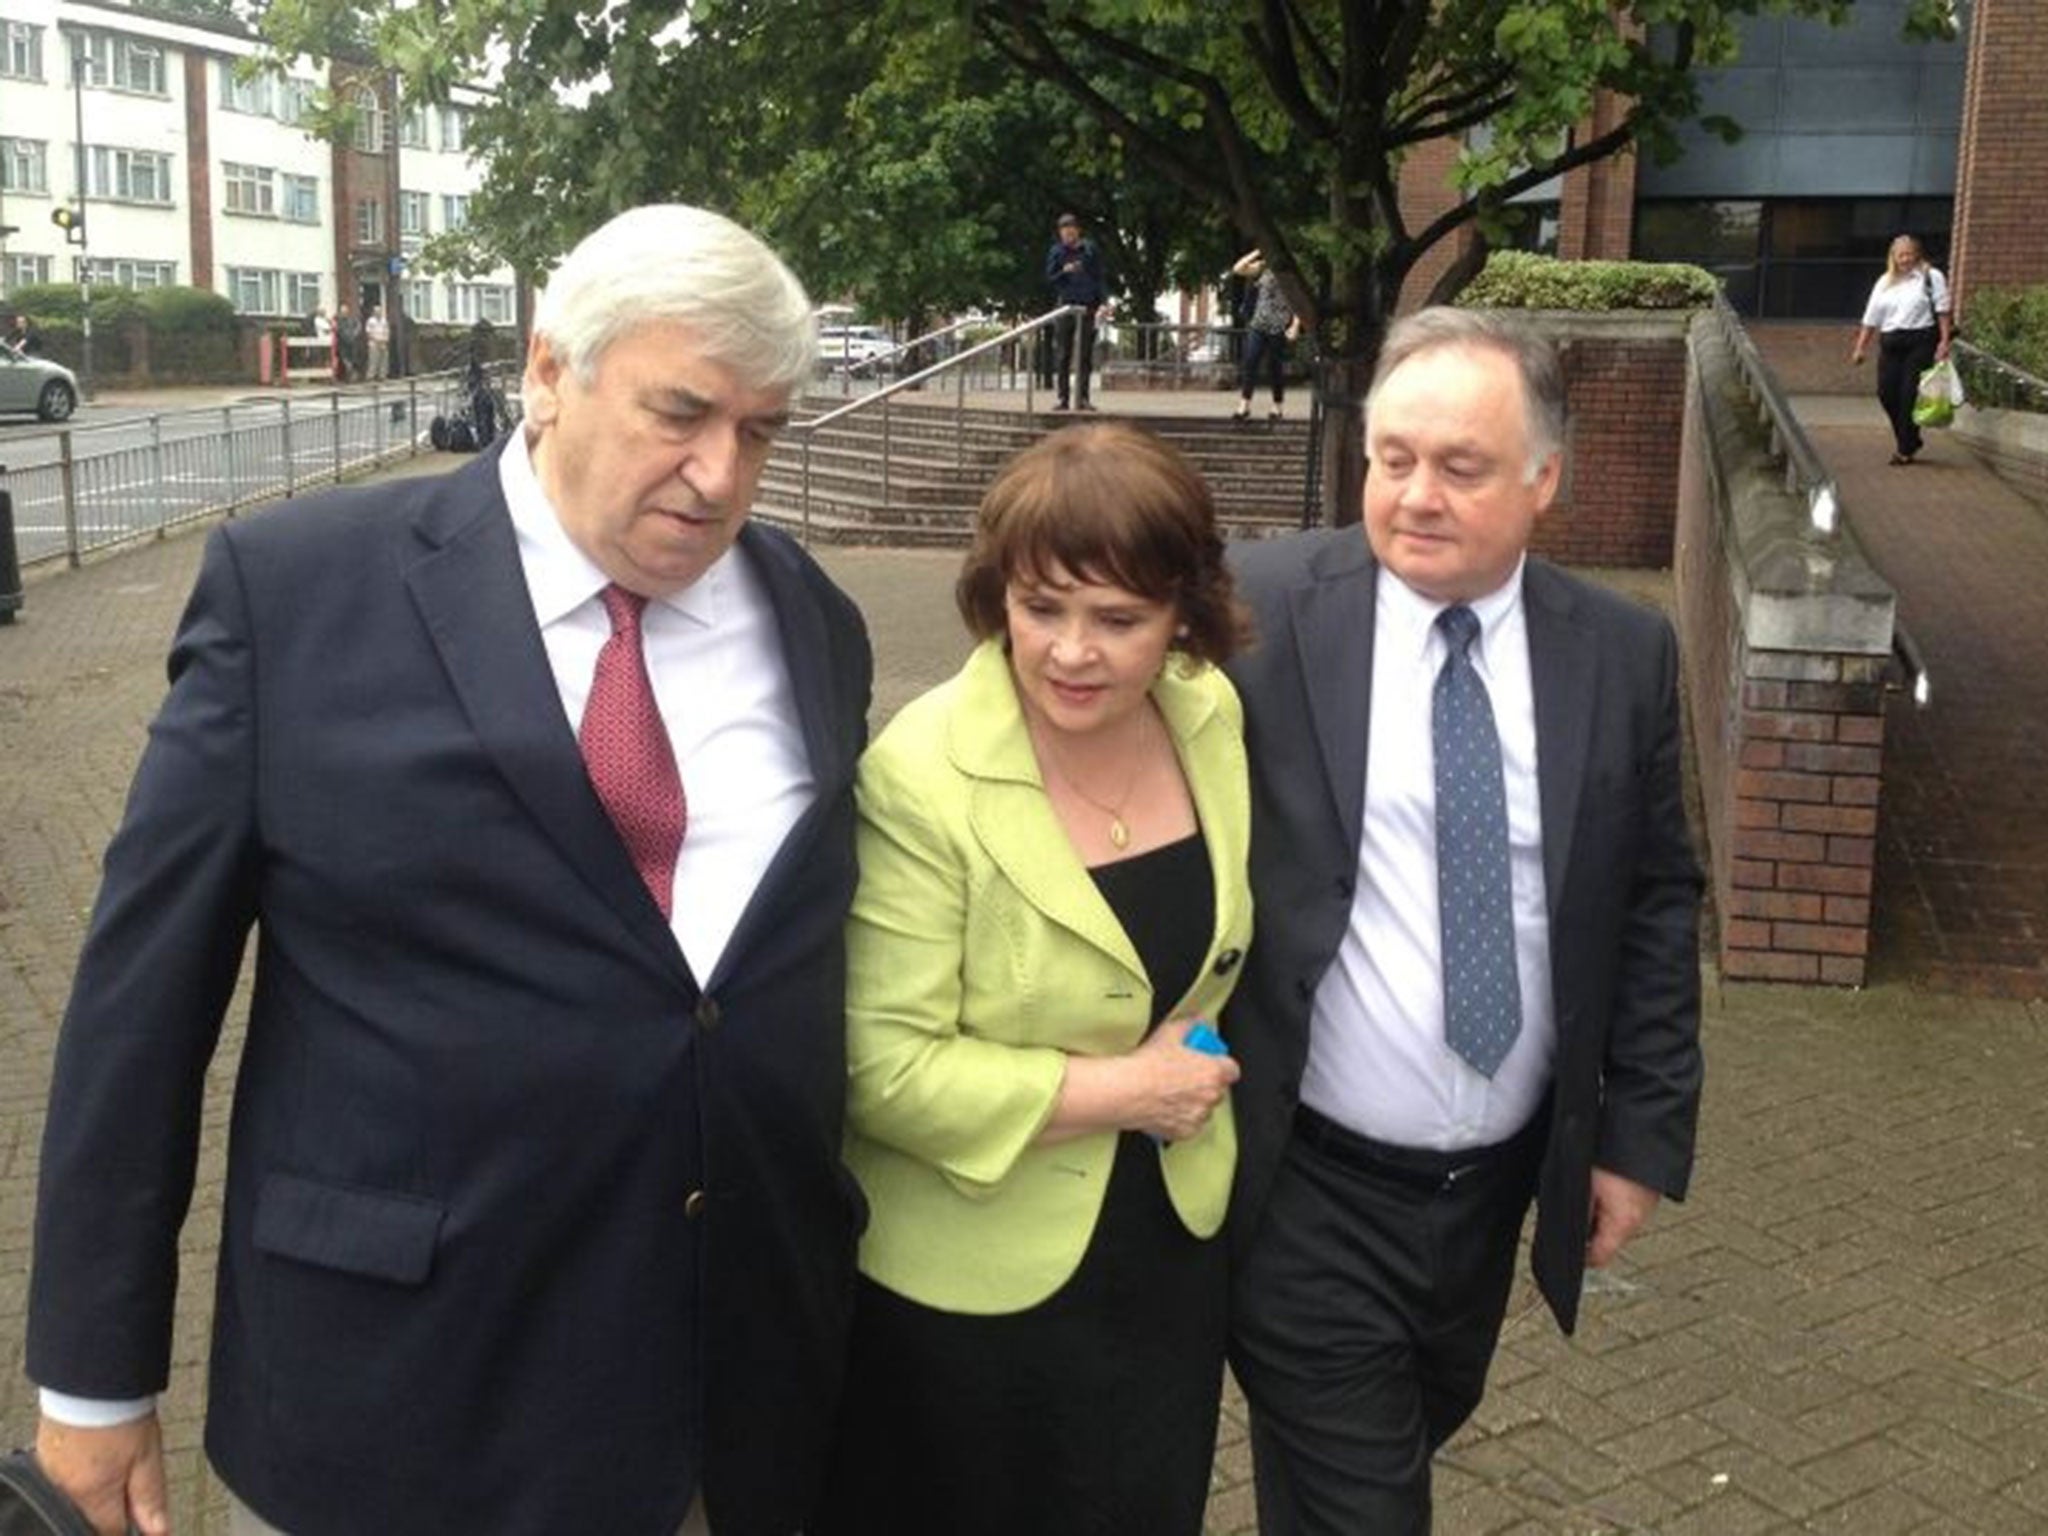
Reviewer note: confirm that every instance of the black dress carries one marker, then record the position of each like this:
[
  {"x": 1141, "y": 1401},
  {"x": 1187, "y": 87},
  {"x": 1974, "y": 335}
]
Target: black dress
[{"x": 1094, "y": 1412}]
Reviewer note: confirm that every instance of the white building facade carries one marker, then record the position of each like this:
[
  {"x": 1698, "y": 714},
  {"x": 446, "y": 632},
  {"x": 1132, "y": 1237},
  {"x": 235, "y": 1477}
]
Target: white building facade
[{"x": 196, "y": 173}]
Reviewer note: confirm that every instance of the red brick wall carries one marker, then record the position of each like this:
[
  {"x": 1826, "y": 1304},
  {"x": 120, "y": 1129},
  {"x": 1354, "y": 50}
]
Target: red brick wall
[
  {"x": 1597, "y": 203},
  {"x": 198, "y": 168},
  {"x": 1426, "y": 195},
  {"x": 1627, "y": 412},
  {"x": 2000, "y": 236}
]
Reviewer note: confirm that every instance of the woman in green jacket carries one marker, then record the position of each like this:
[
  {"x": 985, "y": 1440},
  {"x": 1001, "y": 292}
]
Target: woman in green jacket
[{"x": 1053, "y": 896}]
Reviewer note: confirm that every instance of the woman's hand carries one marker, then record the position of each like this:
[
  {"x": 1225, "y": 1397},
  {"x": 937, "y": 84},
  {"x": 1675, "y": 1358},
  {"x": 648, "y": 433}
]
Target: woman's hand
[{"x": 1164, "y": 1087}]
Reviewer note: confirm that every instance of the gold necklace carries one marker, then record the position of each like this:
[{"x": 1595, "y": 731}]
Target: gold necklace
[{"x": 1119, "y": 832}]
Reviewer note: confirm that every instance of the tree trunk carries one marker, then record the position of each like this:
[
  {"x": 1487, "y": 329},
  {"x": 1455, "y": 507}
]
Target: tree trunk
[{"x": 1341, "y": 383}]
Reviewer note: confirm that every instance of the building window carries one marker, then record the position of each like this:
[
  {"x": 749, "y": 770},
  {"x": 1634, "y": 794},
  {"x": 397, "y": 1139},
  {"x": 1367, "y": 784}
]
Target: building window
[
  {"x": 412, "y": 219},
  {"x": 123, "y": 272},
  {"x": 267, "y": 291},
  {"x": 454, "y": 128},
  {"x": 454, "y": 211},
  {"x": 369, "y": 113},
  {"x": 120, "y": 63},
  {"x": 419, "y": 298},
  {"x": 24, "y": 271},
  {"x": 468, "y": 302},
  {"x": 21, "y": 50},
  {"x": 301, "y": 198},
  {"x": 412, "y": 127},
  {"x": 24, "y": 165},
  {"x": 131, "y": 175},
  {"x": 293, "y": 97},
  {"x": 252, "y": 94},
  {"x": 369, "y": 221},
  {"x": 250, "y": 189}
]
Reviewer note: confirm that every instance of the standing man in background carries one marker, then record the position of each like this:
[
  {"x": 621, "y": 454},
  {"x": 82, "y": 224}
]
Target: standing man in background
[
  {"x": 1480, "y": 978},
  {"x": 1073, "y": 266},
  {"x": 535, "y": 783},
  {"x": 377, "y": 332}
]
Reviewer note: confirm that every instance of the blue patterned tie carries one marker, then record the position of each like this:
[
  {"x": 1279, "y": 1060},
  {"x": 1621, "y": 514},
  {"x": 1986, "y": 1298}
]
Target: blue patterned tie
[{"x": 1482, "y": 999}]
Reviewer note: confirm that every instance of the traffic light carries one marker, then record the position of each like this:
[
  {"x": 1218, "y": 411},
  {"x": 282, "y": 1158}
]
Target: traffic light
[{"x": 71, "y": 221}]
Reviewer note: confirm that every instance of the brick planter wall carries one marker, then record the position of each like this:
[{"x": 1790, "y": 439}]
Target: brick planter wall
[{"x": 1625, "y": 378}]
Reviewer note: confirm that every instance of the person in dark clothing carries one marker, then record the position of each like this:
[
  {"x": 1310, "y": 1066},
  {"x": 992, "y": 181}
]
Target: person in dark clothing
[
  {"x": 23, "y": 339},
  {"x": 1074, "y": 268}
]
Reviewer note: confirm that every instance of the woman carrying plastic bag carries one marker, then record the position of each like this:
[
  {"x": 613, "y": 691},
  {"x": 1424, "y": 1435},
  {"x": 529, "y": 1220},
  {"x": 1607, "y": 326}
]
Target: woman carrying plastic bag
[{"x": 1908, "y": 313}]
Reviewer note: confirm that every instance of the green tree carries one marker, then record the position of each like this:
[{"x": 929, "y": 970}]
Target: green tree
[{"x": 1293, "y": 118}]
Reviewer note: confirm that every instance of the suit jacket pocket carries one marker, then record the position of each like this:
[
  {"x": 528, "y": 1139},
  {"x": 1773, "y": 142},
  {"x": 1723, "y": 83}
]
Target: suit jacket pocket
[{"x": 357, "y": 1231}]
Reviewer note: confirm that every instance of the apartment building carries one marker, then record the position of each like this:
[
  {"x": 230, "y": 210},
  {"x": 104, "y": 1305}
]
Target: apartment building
[{"x": 193, "y": 171}]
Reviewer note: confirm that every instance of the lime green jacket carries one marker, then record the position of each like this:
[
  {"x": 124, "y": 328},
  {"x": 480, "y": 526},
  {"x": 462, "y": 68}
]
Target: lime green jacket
[{"x": 980, "y": 954}]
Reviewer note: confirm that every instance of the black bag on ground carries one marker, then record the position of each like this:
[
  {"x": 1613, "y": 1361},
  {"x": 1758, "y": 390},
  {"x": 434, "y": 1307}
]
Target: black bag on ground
[{"x": 30, "y": 1504}]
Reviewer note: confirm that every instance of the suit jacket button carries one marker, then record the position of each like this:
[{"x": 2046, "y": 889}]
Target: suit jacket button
[
  {"x": 694, "y": 1203},
  {"x": 1227, "y": 961},
  {"x": 708, "y": 1017}
]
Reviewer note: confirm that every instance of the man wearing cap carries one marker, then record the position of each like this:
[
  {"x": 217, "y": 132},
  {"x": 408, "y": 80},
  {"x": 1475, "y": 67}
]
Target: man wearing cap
[{"x": 1074, "y": 268}]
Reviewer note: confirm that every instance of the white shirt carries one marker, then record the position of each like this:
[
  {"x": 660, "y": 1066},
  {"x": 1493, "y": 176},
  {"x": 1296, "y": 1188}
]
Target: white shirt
[
  {"x": 1377, "y": 1060},
  {"x": 1902, "y": 305},
  {"x": 714, "y": 654}
]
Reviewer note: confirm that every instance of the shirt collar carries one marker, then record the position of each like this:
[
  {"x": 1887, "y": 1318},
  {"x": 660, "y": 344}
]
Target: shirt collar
[
  {"x": 559, "y": 576},
  {"x": 1412, "y": 616}
]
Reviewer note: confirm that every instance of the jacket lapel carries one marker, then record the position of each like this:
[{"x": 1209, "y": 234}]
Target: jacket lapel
[
  {"x": 471, "y": 592},
  {"x": 1333, "y": 618},
  {"x": 1011, "y": 816},
  {"x": 1563, "y": 674}
]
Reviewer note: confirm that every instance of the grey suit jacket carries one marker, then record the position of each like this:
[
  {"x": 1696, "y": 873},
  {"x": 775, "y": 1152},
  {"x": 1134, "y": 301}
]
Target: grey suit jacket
[{"x": 1623, "y": 886}]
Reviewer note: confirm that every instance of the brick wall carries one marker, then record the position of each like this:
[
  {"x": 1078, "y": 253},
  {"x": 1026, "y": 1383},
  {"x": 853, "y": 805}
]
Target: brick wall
[
  {"x": 1787, "y": 733},
  {"x": 1627, "y": 411},
  {"x": 1597, "y": 202},
  {"x": 1802, "y": 843},
  {"x": 1426, "y": 194},
  {"x": 2000, "y": 236}
]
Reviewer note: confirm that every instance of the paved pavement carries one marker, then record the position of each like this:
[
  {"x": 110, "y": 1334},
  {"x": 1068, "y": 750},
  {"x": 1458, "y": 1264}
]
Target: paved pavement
[{"x": 1845, "y": 1328}]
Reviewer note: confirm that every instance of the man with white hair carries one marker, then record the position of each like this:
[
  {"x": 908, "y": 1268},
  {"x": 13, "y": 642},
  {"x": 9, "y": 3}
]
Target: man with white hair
[
  {"x": 534, "y": 781},
  {"x": 1476, "y": 973}
]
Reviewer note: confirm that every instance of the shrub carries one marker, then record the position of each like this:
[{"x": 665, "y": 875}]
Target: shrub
[
  {"x": 187, "y": 310},
  {"x": 2011, "y": 324},
  {"x": 65, "y": 302},
  {"x": 1521, "y": 280}
]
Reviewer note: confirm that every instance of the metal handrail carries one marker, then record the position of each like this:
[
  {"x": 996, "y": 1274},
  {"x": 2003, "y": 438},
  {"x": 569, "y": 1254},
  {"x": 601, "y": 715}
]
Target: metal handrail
[
  {"x": 808, "y": 429},
  {"x": 898, "y": 350},
  {"x": 1806, "y": 474}
]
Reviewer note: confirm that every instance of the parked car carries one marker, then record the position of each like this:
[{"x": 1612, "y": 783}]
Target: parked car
[
  {"x": 843, "y": 347},
  {"x": 37, "y": 384}
]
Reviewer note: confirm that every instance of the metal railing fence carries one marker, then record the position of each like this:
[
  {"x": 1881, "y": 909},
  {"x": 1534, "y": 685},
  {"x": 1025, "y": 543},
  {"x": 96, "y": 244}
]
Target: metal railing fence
[
  {"x": 82, "y": 488},
  {"x": 1991, "y": 381}
]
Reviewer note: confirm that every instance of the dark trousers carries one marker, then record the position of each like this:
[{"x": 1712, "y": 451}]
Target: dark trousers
[
  {"x": 1267, "y": 349},
  {"x": 1063, "y": 352},
  {"x": 1364, "y": 1315},
  {"x": 1902, "y": 356}
]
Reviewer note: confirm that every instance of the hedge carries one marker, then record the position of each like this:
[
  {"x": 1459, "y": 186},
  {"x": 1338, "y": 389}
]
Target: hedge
[{"x": 1523, "y": 280}]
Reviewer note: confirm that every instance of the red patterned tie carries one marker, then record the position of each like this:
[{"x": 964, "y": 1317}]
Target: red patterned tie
[{"x": 632, "y": 766}]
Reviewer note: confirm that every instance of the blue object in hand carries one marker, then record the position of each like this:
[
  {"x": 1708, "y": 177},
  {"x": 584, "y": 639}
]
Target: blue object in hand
[{"x": 1203, "y": 1037}]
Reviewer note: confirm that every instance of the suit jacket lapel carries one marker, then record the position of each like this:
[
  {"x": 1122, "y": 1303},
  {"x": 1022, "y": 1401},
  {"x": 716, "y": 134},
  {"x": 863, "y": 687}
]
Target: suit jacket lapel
[
  {"x": 832, "y": 741},
  {"x": 1333, "y": 635},
  {"x": 471, "y": 592},
  {"x": 1563, "y": 674}
]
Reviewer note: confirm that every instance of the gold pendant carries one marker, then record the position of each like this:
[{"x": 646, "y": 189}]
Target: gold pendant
[{"x": 1119, "y": 834}]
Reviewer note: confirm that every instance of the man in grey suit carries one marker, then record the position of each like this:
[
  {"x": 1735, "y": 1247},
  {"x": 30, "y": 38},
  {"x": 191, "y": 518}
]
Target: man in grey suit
[{"x": 1476, "y": 978}]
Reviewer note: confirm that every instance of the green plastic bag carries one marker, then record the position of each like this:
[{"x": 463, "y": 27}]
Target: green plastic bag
[{"x": 1941, "y": 391}]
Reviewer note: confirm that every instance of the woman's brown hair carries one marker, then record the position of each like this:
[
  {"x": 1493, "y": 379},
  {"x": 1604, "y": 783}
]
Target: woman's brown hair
[{"x": 1105, "y": 502}]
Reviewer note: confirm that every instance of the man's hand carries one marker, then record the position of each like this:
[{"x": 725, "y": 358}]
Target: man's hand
[
  {"x": 114, "y": 1475},
  {"x": 1620, "y": 1206}
]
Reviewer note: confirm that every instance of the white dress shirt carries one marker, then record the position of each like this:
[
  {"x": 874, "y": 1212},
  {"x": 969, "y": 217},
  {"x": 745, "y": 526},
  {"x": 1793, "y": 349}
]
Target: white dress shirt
[
  {"x": 714, "y": 655},
  {"x": 1902, "y": 305},
  {"x": 1377, "y": 1060}
]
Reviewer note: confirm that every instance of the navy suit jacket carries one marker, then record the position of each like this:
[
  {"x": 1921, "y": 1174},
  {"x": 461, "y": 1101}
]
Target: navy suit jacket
[
  {"x": 1621, "y": 882},
  {"x": 526, "y": 1226}
]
